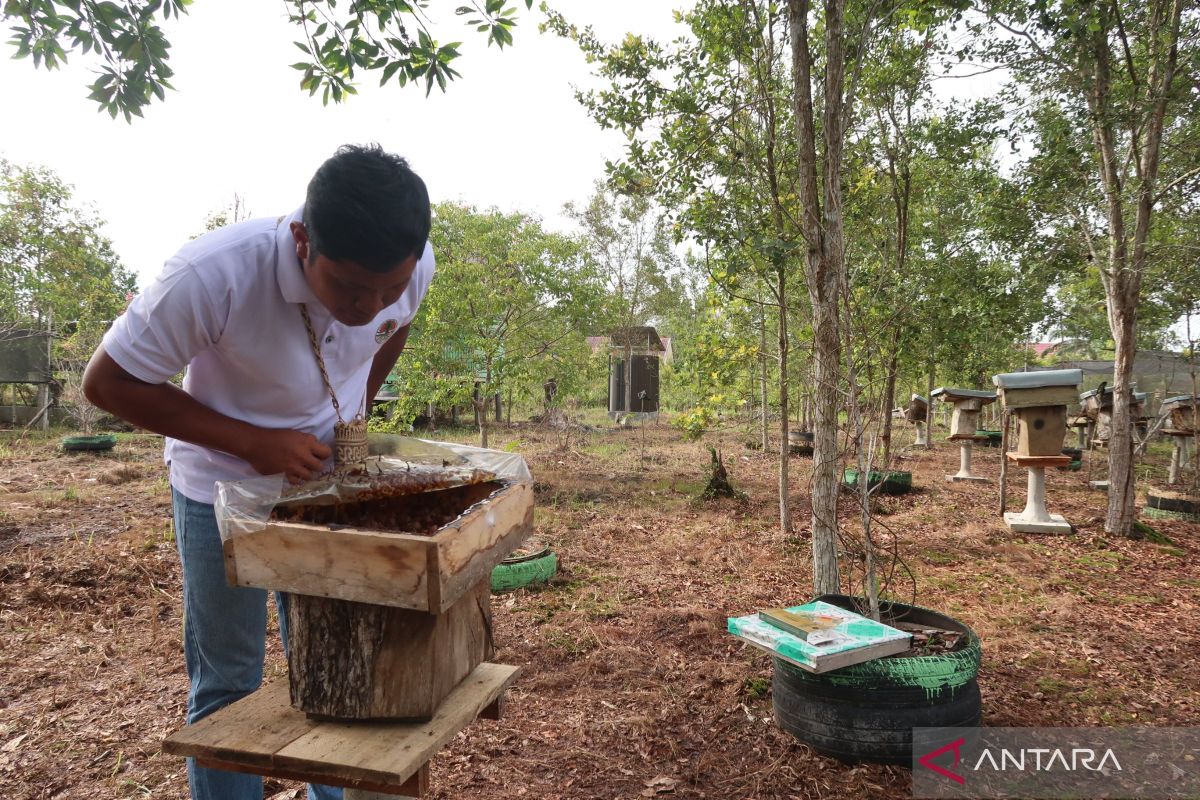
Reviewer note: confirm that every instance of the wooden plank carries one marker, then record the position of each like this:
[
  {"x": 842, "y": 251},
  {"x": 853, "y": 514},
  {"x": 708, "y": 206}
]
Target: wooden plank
[
  {"x": 349, "y": 564},
  {"x": 390, "y": 753},
  {"x": 416, "y": 786},
  {"x": 476, "y": 543},
  {"x": 262, "y": 734},
  {"x": 1038, "y": 461},
  {"x": 798, "y": 623},
  {"x": 853, "y": 640},
  {"x": 247, "y": 732}
]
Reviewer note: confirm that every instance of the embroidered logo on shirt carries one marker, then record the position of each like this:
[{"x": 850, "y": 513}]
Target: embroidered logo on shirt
[{"x": 386, "y": 330}]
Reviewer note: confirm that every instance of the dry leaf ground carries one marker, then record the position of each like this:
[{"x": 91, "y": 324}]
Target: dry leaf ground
[{"x": 631, "y": 687}]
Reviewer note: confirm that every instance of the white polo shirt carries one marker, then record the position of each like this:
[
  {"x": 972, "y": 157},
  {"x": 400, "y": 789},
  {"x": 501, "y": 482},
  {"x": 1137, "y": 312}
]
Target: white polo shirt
[{"x": 227, "y": 307}]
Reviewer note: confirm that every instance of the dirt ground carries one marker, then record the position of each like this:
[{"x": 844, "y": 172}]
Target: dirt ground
[{"x": 631, "y": 686}]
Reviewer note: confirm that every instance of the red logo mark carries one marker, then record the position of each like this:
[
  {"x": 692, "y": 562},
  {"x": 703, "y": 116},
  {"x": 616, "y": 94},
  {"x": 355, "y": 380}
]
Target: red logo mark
[{"x": 927, "y": 760}]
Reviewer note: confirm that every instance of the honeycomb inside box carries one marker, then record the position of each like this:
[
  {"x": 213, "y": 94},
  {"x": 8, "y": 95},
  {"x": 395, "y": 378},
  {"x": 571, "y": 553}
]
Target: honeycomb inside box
[{"x": 418, "y": 502}]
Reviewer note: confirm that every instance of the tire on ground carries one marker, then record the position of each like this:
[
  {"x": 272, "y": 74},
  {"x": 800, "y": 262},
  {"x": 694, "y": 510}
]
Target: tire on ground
[
  {"x": 76, "y": 444},
  {"x": 866, "y": 712},
  {"x": 507, "y": 576}
]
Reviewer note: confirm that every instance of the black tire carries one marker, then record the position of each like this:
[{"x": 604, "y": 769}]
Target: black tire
[
  {"x": 992, "y": 438},
  {"x": 97, "y": 443},
  {"x": 866, "y": 712},
  {"x": 862, "y": 732},
  {"x": 1176, "y": 502}
]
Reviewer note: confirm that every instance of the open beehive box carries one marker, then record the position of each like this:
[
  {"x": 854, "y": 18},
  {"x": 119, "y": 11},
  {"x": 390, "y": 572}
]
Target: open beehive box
[{"x": 416, "y": 538}]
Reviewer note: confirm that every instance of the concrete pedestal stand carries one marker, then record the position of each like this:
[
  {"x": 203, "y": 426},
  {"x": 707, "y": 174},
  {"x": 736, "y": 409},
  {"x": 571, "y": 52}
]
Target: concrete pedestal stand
[
  {"x": 1081, "y": 425},
  {"x": 964, "y": 464},
  {"x": 1035, "y": 518},
  {"x": 1179, "y": 453},
  {"x": 922, "y": 438}
]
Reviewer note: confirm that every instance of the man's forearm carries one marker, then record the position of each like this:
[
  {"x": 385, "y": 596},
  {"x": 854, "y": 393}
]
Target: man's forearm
[{"x": 164, "y": 408}]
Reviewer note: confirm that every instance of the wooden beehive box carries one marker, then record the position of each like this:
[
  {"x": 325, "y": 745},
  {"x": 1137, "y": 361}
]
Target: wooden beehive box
[
  {"x": 964, "y": 422},
  {"x": 1041, "y": 430},
  {"x": 918, "y": 409},
  {"x": 968, "y": 403},
  {"x": 428, "y": 571},
  {"x": 1040, "y": 401},
  {"x": 1183, "y": 414}
]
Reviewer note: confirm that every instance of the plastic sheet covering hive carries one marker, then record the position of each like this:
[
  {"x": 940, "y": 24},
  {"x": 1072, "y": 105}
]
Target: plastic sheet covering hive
[{"x": 398, "y": 466}]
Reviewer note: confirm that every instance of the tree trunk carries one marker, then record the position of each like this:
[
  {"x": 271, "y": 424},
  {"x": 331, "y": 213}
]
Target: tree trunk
[
  {"x": 826, "y": 458},
  {"x": 929, "y": 407},
  {"x": 889, "y": 401},
  {"x": 824, "y": 263},
  {"x": 785, "y": 510},
  {"x": 499, "y": 412},
  {"x": 358, "y": 661},
  {"x": 1121, "y": 501},
  {"x": 762, "y": 362}
]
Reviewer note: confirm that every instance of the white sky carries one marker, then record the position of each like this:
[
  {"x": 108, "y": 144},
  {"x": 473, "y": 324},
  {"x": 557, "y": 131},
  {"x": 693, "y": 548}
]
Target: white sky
[{"x": 509, "y": 133}]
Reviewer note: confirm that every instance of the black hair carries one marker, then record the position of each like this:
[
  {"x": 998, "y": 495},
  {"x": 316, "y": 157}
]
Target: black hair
[{"x": 367, "y": 206}]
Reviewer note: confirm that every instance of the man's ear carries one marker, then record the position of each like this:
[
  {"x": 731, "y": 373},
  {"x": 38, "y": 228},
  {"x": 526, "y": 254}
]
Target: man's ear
[{"x": 300, "y": 237}]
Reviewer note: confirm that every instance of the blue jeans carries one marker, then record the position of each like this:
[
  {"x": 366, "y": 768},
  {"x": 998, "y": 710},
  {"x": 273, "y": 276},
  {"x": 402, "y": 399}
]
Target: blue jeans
[{"x": 224, "y": 643}]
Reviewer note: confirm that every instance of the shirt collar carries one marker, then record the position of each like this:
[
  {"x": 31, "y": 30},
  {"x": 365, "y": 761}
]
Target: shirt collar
[{"x": 292, "y": 285}]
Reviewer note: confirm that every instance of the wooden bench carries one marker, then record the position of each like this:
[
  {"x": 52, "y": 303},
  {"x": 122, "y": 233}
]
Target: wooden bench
[{"x": 263, "y": 735}]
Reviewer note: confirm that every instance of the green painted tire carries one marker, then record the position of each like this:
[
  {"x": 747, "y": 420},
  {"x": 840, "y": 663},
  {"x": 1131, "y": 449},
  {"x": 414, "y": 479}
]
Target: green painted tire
[
  {"x": 888, "y": 482},
  {"x": 1162, "y": 513},
  {"x": 527, "y": 570},
  {"x": 867, "y": 711},
  {"x": 97, "y": 443}
]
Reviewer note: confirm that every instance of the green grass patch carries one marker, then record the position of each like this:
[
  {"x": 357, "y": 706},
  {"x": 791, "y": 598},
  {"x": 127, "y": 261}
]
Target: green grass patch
[
  {"x": 1150, "y": 533},
  {"x": 567, "y": 642},
  {"x": 1106, "y": 560},
  {"x": 755, "y": 688},
  {"x": 1052, "y": 685},
  {"x": 939, "y": 557},
  {"x": 606, "y": 449}
]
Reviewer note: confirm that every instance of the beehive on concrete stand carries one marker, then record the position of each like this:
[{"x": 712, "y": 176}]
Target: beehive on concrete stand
[
  {"x": 1039, "y": 399},
  {"x": 964, "y": 423},
  {"x": 968, "y": 403}
]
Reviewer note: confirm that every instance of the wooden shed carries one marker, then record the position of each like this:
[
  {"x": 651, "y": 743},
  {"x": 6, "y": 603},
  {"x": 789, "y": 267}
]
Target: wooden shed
[{"x": 634, "y": 390}]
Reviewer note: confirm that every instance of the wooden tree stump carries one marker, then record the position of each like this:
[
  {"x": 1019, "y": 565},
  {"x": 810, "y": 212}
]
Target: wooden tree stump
[
  {"x": 359, "y": 661},
  {"x": 718, "y": 482}
]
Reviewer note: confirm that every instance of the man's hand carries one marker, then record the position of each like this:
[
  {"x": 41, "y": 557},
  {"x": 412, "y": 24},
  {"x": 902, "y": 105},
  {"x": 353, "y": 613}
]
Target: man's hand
[{"x": 299, "y": 456}]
